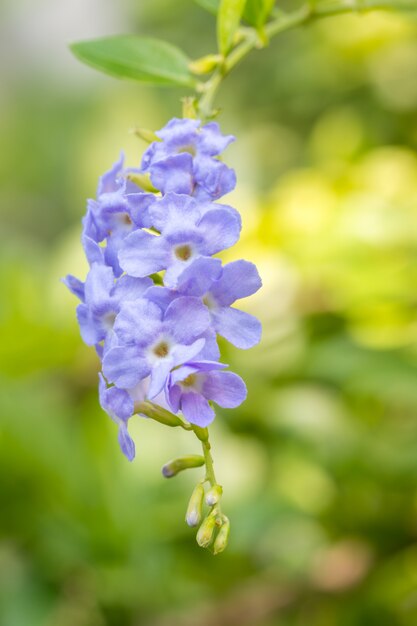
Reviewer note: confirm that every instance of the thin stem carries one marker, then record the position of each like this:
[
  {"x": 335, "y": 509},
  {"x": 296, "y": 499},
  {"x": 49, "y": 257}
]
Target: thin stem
[
  {"x": 210, "y": 475},
  {"x": 284, "y": 22}
]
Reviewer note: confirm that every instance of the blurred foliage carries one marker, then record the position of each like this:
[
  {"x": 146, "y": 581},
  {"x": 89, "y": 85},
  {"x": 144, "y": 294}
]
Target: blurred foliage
[{"x": 319, "y": 466}]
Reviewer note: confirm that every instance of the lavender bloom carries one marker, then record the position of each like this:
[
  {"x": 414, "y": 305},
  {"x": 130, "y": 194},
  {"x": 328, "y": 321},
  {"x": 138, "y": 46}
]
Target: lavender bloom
[
  {"x": 160, "y": 342},
  {"x": 183, "y": 162},
  {"x": 101, "y": 299},
  {"x": 153, "y": 342},
  {"x": 186, "y": 234},
  {"x": 190, "y": 387}
]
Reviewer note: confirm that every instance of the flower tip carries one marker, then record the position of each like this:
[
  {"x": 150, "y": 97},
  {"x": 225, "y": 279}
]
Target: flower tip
[
  {"x": 193, "y": 518},
  {"x": 213, "y": 495}
]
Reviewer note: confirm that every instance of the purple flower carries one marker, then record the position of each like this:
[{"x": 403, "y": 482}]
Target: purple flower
[
  {"x": 239, "y": 279},
  {"x": 183, "y": 162},
  {"x": 186, "y": 234},
  {"x": 152, "y": 341},
  {"x": 190, "y": 388},
  {"x": 160, "y": 342},
  {"x": 101, "y": 298}
]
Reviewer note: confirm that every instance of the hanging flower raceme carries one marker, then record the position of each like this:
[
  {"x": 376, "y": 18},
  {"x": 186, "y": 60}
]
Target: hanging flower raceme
[{"x": 155, "y": 298}]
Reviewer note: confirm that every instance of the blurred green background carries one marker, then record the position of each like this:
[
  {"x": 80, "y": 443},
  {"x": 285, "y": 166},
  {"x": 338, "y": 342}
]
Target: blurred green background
[{"x": 319, "y": 466}]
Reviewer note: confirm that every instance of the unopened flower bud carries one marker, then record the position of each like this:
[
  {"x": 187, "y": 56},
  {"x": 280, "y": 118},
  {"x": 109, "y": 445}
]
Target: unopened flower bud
[
  {"x": 206, "y": 531},
  {"x": 172, "y": 468},
  {"x": 213, "y": 495},
  {"x": 143, "y": 133},
  {"x": 143, "y": 181},
  {"x": 189, "y": 107},
  {"x": 205, "y": 64},
  {"x": 222, "y": 538},
  {"x": 157, "y": 413},
  {"x": 195, "y": 505}
]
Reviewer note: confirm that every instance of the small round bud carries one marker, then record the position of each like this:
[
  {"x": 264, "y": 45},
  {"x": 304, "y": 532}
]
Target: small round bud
[
  {"x": 213, "y": 495},
  {"x": 195, "y": 506},
  {"x": 206, "y": 531},
  {"x": 172, "y": 468},
  {"x": 222, "y": 538}
]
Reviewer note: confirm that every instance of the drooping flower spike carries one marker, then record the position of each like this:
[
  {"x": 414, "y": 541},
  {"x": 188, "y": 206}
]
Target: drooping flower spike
[{"x": 156, "y": 298}]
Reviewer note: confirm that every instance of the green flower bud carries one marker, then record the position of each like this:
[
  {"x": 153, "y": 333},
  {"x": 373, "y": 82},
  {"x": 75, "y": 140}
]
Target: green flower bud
[
  {"x": 172, "y": 468},
  {"x": 195, "y": 505},
  {"x": 213, "y": 495},
  {"x": 145, "y": 134},
  {"x": 205, "y": 64},
  {"x": 206, "y": 531},
  {"x": 189, "y": 107},
  {"x": 222, "y": 538},
  {"x": 157, "y": 413},
  {"x": 143, "y": 181}
]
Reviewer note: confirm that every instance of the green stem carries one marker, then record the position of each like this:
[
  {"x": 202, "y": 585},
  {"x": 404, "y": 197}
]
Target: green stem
[{"x": 284, "y": 22}]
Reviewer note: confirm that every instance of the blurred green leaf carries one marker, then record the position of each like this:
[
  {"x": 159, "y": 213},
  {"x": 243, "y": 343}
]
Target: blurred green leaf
[
  {"x": 212, "y": 6},
  {"x": 228, "y": 20},
  {"x": 140, "y": 58},
  {"x": 257, "y": 11}
]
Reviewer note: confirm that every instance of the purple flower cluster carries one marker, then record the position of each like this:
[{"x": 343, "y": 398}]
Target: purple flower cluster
[{"x": 158, "y": 341}]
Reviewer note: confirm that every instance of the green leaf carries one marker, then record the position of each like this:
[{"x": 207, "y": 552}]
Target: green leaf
[
  {"x": 212, "y": 6},
  {"x": 257, "y": 11},
  {"x": 228, "y": 20},
  {"x": 140, "y": 58}
]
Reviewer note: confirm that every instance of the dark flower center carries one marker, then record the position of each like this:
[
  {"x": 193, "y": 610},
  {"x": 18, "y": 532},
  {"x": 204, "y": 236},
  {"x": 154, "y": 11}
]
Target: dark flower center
[
  {"x": 126, "y": 219},
  {"x": 161, "y": 350},
  {"x": 189, "y": 381},
  {"x": 183, "y": 252}
]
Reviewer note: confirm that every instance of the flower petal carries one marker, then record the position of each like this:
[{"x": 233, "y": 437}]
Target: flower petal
[
  {"x": 116, "y": 402},
  {"x": 108, "y": 183},
  {"x": 129, "y": 288},
  {"x": 241, "y": 329},
  {"x": 182, "y": 354},
  {"x": 138, "y": 322},
  {"x": 126, "y": 442},
  {"x": 98, "y": 285},
  {"x": 174, "y": 173},
  {"x": 159, "y": 375},
  {"x": 238, "y": 280},
  {"x": 212, "y": 142},
  {"x": 214, "y": 179},
  {"x": 198, "y": 277},
  {"x": 75, "y": 286},
  {"x": 186, "y": 318},
  {"x": 90, "y": 331},
  {"x": 125, "y": 366},
  {"x": 225, "y": 388},
  {"x": 173, "y": 212},
  {"x": 221, "y": 230},
  {"x": 196, "y": 409},
  {"x": 139, "y": 204},
  {"x": 142, "y": 254},
  {"x": 92, "y": 250}
]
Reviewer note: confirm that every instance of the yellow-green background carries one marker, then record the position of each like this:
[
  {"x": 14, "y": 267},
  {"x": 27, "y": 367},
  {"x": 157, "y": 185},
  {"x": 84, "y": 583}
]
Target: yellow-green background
[{"x": 319, "y": 466}]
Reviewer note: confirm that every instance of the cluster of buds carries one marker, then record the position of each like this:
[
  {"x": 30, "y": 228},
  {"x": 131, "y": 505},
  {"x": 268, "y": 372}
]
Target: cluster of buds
[{"x": 156, "y": 297}]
